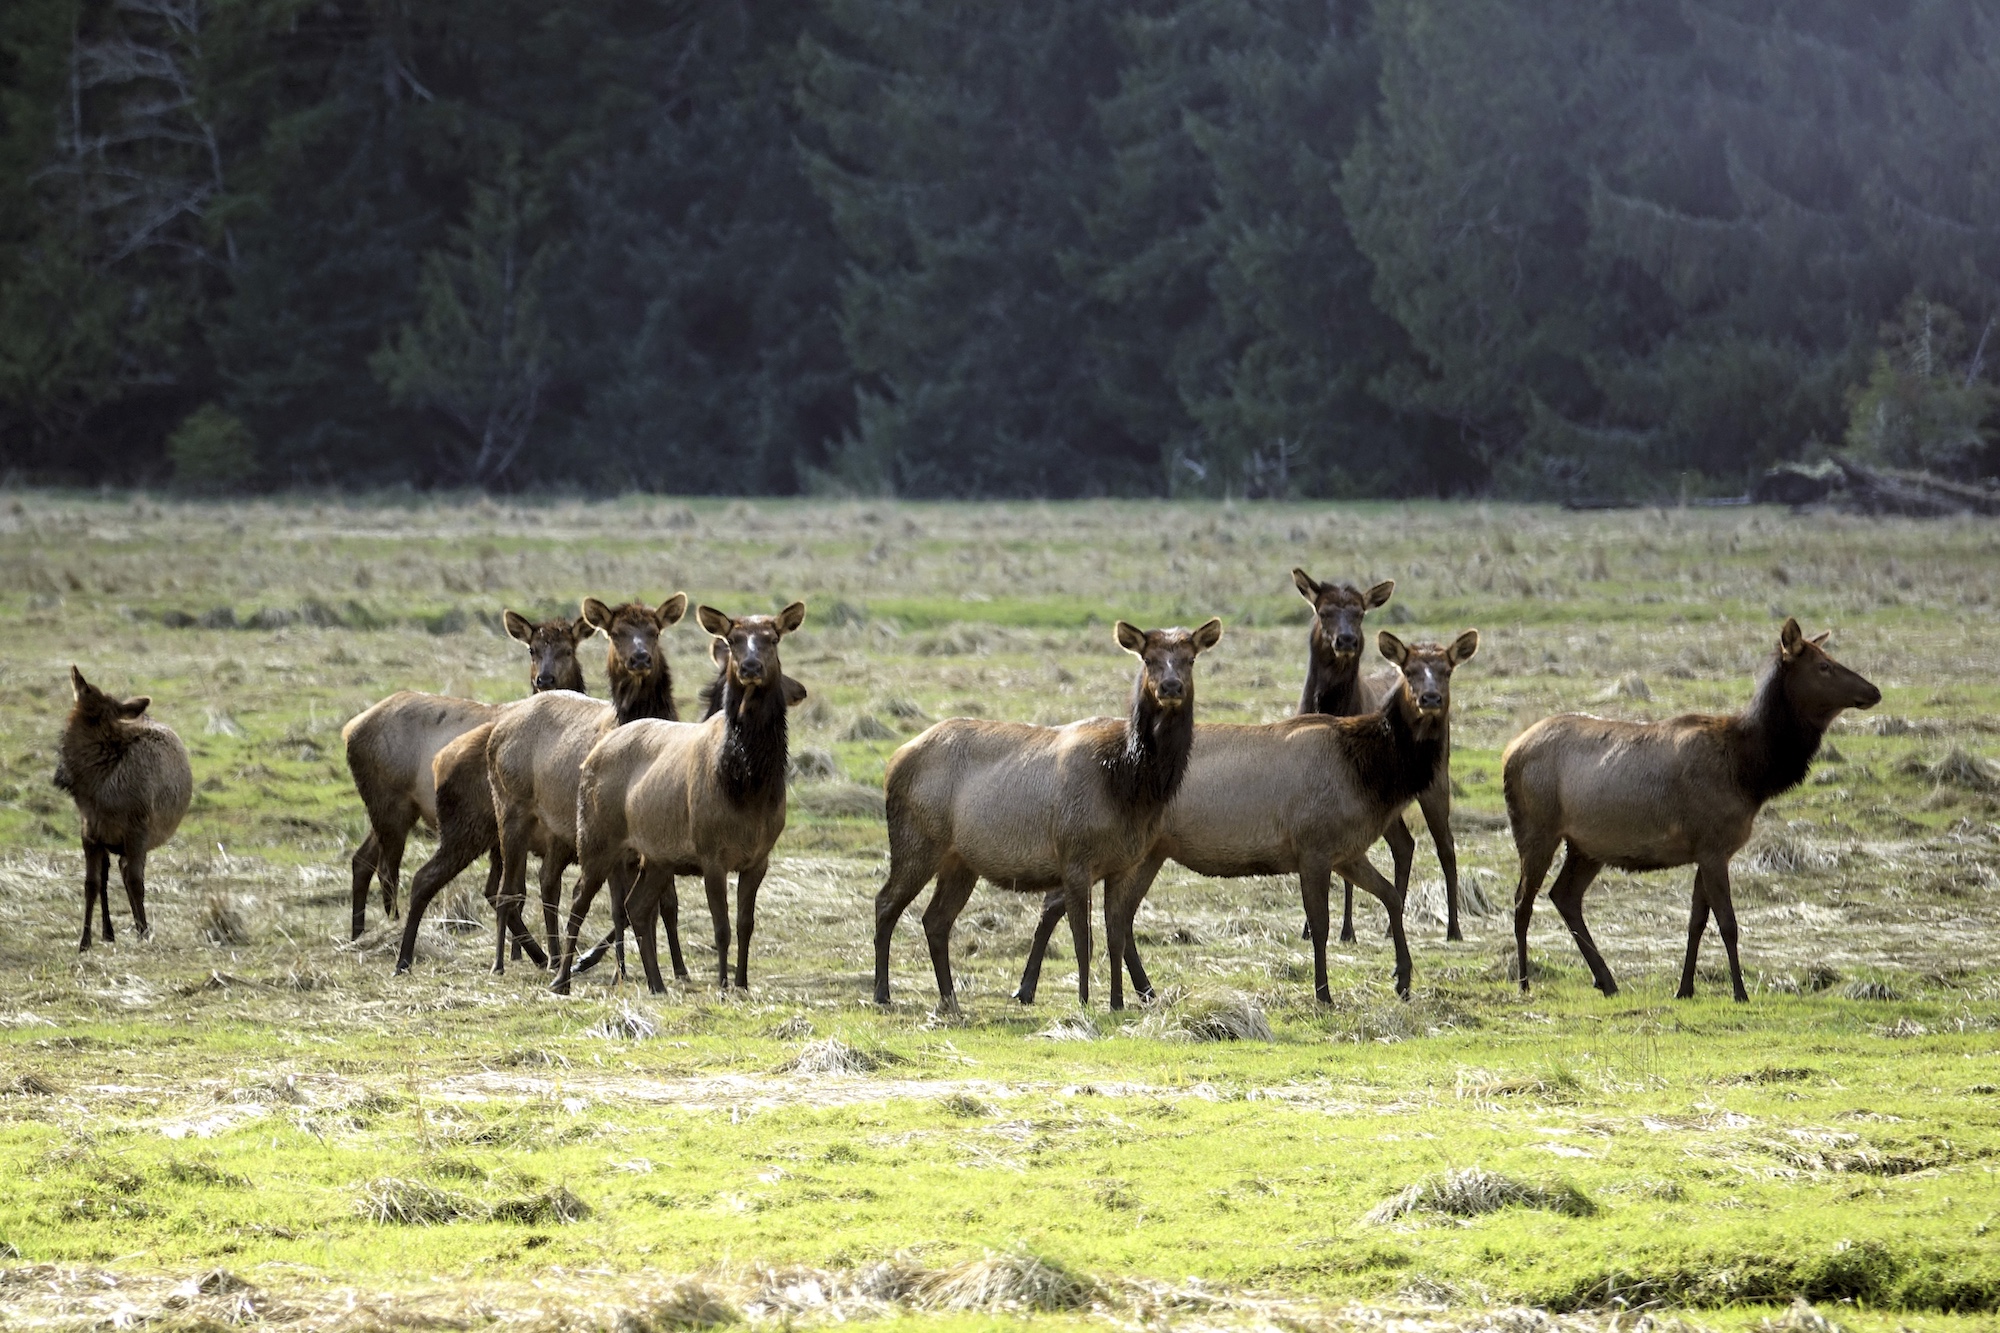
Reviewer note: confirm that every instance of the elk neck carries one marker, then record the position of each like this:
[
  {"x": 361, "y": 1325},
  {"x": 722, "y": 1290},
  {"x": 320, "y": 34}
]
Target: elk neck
[
  {"x": 1331, "y": 688},
  {"x": 637, "y": 694},
  {"x": 1392, "y": 761},
  {"x": 1774, "y": 744},
  {"x": 752, "y": 762},
  {"x": 1145, "y": 765}
]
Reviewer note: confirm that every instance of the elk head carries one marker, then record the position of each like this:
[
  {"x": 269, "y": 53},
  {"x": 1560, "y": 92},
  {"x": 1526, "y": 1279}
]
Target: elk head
[
  {"x": 634, "y": 630},
  {"x": 1337, "y": 612},
  {"x": 1166, "y": 661},
  {"x": 95, "y": 707},
  {"x": 1424, "y": 693},
  {"x": 552, "y": 663},
  {"x": 746, "y": 647},
  {"x": 1818, "y": 688}
]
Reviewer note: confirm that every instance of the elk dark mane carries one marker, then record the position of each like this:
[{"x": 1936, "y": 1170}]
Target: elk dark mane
[
  {"x": 1144, "y": 768},
  {"x": 1775, "y": 745},
  {"x": 752, "y": 761}
]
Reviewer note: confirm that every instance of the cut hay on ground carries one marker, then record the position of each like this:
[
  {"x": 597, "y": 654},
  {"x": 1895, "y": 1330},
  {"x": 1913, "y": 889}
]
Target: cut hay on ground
[
  {"x": 1472, "y": 1192},
  {"x": 1230, "y": 1017},
  {"x": 831, "y": 1056},
  {"x": 626, "y": 1022},
  {"x": 1003, "y": 1283},
  {"x": 225, "y": 919},
  {"x": 392, "y": 1201}
]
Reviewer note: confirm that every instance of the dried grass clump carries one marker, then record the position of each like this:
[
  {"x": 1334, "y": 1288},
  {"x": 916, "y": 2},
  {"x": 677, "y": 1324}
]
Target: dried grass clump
[
  {"x": 840, "y": 800},
  {"x": 868, "y": 727},
  {"x": 1904, "y": 1027},
  {"x": 554, "y": 1206},
  {"x": 688, "y": 1305},
  {"x": 1782, "y": 852},
  {"x": 796, "y": 1028},
  {"x": 224, "y": 919},
  {"x": 1871, "y": 990},
  {"x": 1078, "y": 1026},
  {"x": 1472, "y": 1192},
  {"x": 965, "y": 1106},
  {"x": 1003, "y": 1283},
  {"x": 625, "y": 1023},
  {"x": 1801, "y": 1318},
  {"x": 1958, "y": 769},
  {"x": 813, "y": 763},
  {"x": 460, "y": 912},
  {"x": 30, "y": 1084},
  {"x": 903, "y": 710},
  {"x": 1230, "y": 1017},
  {"x": 393, "y": 1201},
  {"x": 831, "y": 1056},
  {"x": 1631, "y": 685}
]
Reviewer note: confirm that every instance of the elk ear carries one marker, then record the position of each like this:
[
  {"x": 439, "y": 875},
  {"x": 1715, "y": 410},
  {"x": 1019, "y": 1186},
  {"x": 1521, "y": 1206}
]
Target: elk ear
[
  {"x": 1130, "y": 639},
  {"x": 1380, "y": 594},
  {"x": 1208, "y": 635},
  {"x": 596, "y": 614},
  {"x": 1307, "y": 588},
  {"x": 1464, "y": 646},
  {"x": 671, "y": 610},
  {"x": 791, "y": 617},
  {"x": 1819, "y": 640},
  {"x": 795, "y": 693},
  {"x": 134, "y": 707},
  {"x": 579, "y": 630},
  {"x": 713, "y": 621},
  {"x": 1392, "y": 647},
  {"x": 517, "y": 626},
  {"x": 1789, "y": 637},
  {"x": 718, "y": 651},
  {"x": 77, "y": 683}
]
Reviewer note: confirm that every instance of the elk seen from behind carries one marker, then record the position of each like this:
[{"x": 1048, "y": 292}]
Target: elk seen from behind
[
  {"x": 1655, "y": 795},
  {"x": 131, "y": 782}
]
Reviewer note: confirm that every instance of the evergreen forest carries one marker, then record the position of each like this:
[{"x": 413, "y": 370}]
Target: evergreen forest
[{"x": 1561, "y": 249}]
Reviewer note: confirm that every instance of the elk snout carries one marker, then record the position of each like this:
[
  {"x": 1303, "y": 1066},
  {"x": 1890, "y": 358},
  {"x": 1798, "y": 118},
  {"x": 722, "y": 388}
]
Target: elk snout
[
  {"x": 1430, "y": 701},
  {"x": 1346, "y": 643},
  {"x": 1870, "y": 697},
  {"x": 1170, "y": 690},
  {"x": 545, "y": 679},
  {"x": 640, "y": 658}
]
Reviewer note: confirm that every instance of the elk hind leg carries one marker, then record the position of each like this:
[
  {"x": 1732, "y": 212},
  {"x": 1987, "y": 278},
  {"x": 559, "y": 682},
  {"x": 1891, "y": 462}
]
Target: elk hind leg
[
  {"x": 1535, "y": 858},
  {"x": 1715, "y": 887},
  {"x": 363, "y": 866},
  {"x": 1697, "y": 923},
  {"x": 1370, "y": 879},
  {"x": 1054, "y": 905},
  {"x": 912, "y": 862},
  {"x": 955, "y": 882},
  {"x": 1566, "y": 894},
  {"x": 96, "y": 877},
  {"x": 132, "y": 869}
]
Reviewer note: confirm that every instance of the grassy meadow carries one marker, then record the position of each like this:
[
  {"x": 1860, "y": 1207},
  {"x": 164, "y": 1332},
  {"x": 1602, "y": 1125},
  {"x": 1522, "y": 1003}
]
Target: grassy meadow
[{"x": 248, "y": 1120}]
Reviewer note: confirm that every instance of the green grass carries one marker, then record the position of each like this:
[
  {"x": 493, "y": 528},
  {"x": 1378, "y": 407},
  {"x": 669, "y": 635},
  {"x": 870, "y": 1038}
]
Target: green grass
[{"x": 175, "y": 1107}]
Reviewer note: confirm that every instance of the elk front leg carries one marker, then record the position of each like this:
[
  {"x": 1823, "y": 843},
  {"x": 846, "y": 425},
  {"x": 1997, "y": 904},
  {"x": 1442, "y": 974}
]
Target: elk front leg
[
  {"x": 716, "y": 882},
  {"x": 1054, "y": 904},
  {"x": 96, "y": 889},
  {"x": 1370, "y": 879},
  {"x": 746, "y": 918},
  {"x": 1436, "y": 805},
  {"x": 1315, "y": 882},
  {"x": 132, "y": 869},
  {"x": 1715, "y": 887},
  {"x": 1697, "y": 923},
  {"x": 1076, "y": 888},
  {"x": 955, "y": 882}
]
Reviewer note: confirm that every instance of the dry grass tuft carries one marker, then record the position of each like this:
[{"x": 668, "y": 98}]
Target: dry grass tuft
[
  {"x": 965, "y": 1106},
  {"x": 840, "y": 800},
  {"x": 1631, "y": 686},
  {"x": 1801, "y": 1318},
  {"x": 1229, "y": 1017},
  {"x": 554, "y": 1206},
  {"x": 689, "y": 1305},
  {"x": 1004, "y": 1283},
  {"x": 796, "y": 1028},
  {"x": 393, "y": 1201},
  {"x": 224, "y": 919},
  {"x": 1783, "y": 852},
  {"x": 868, "y": 727},
  {"x": 32, "y": 1083},
  {"x": 1078, "y": 1026},
  {"x": 1472, "y": 1192},
  {"x": 625, "y": 1023},
  {"x": 831, "y": 1056},
  {"x": 1871, "y": 990},
  {"x": 813, "y": 763},
  {"x": 1957, "y": 769}
]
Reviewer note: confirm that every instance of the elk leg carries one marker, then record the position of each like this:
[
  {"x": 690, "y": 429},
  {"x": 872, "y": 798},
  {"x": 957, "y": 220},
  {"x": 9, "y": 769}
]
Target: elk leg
[
  {"x": 96, "y": 874},
  {"x": 1315, "y": 879},
  {"x": 389, "y": 864},
  {"x": 1346, "y": 913},
  {"x": 104, "y": 896},
  {"x": 670, "y": 916},
  {"x": 1534, "y": 869},
  {"x": 1121, "y": 904},
  {"x": 587, "y": 884},
  {"x": 1139, "y": 885},
  {"x": 1402, "y": 855},
  {"x": 912, "y": 862},
  {"x": 1715, "y": 887},
  {"x": 716, "y": 883},
  {"x": 515, "y": 836},
  {"x": 955, "y": 882},
  {"x": 1566, "y": 894},
  {"x": 1076, "y": 887},
  {"x": 132, "y": 869},
  {"x": 1697, "y": 923},
  {"x": 642, "y": 913},
  {"x": 364, "y": 873},
  {"x": 553, "y": 865},
  {"x": 1054, "y": 905},
  {"x": 746, "y": 918},
  {"x": 1436, "y": 805},
  {"x": 1370, "y": 879}
]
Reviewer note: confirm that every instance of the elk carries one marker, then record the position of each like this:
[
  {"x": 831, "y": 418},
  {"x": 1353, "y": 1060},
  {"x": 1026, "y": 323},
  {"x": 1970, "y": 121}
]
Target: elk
[
  {"x": 536, "y": 749},
  {"x": 1305, "y": 796},
  {"x": 692, "y": 798},
  {"x": 391, "y": 747},
  {"x": 130, "y": 779},
  {"x": 1037, "y": 808},
  {"x": 1656, "y": 795}
]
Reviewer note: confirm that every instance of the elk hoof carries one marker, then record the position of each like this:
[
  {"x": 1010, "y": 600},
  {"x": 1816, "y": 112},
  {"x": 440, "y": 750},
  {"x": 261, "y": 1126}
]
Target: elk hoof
[
  {"x": 1684, "y": 993},
  {"x": 1024, "y": 997},
  {"x": 1347, "y": 934},
  {"x": 1454, "y": 934}
]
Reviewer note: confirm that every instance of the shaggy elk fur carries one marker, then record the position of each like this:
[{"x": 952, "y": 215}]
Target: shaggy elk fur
[
  {"x": 1306, "y": 796},
  {"x": 1653, "y": 795},
  {"x": 1038, "y": 808},
  {"x": 392, "y": 745},
  {"x": 536, "y": 749},
  {"x": 692, "y": 798},
  {"x": 130, "y": 779}
]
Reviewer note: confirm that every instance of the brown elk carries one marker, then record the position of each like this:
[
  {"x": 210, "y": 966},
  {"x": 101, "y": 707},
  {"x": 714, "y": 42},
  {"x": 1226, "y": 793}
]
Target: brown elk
[
  {"x": 130, "y": 779},
  {"x": 1655, "y": 795},
  {"x": 1305, "y": 796},
  {"x": 693, "y": 798},
  {"x": 535, "y": 751},
  {"x": 1036, "y": 808},
  {"x": 391, "y": 747}
]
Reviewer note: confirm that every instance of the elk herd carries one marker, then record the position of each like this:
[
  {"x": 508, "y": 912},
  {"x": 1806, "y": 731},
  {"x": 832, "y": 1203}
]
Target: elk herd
[{"x": 637, "y": 798}]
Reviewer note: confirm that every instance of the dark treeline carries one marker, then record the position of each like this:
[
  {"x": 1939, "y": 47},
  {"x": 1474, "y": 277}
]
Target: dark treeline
[{"x": 951, "y": 247}]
